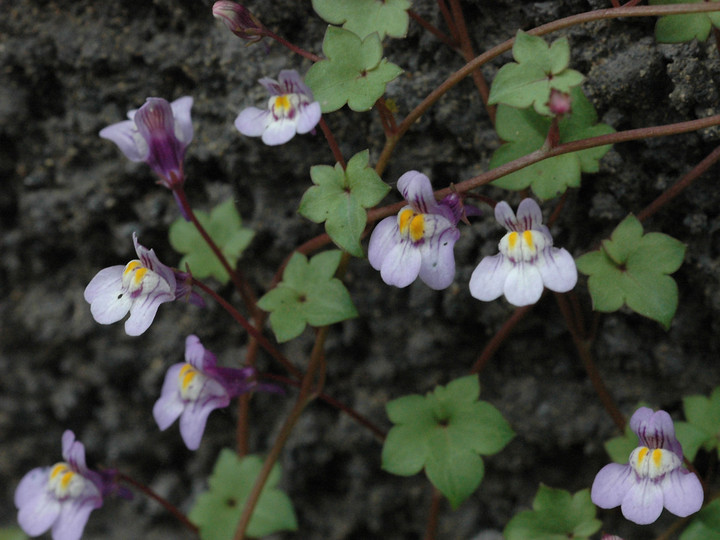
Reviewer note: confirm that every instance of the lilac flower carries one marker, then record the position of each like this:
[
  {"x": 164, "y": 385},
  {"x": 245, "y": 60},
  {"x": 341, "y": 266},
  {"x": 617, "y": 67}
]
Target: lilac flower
[
  {"x": 157, "y": 133},
  {"x": 60, "y": 497},
  {"x": 654, "y": 476},
  {"x": 139, "y": 287},
  {"x": 193, "y": 389},
  {"x": 527, "y": 261},
  {"x": 291, "y": 109},
  {"x": 420, "y": 239}
]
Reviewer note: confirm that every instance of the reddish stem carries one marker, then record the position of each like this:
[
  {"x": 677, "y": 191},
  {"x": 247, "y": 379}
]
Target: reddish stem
[
  {"x": 499, "y": 338},
  {"x": 294, "y": 48},
  {"x": 332, "y": 142},
  {"x": 442, "y": 36},
  {"x": 433, "y": 513},
  {"x": 163, "y": 502}
]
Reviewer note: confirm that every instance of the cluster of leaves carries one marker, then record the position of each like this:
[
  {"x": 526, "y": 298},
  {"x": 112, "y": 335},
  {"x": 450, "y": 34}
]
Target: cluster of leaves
[
  {"x": 684, "y": 27},
  {"x": 445, "y": 432}
]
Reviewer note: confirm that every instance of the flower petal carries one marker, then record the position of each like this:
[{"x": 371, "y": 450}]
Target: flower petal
[
  {"x": 104, "y": 293},
  {"x": 144, "y": 308},
  {"x": 558, "y": 269},
  {"x": 437, "y": 269},
  {"x": 488, "y": 279},
  {"x": 253, "y": 121},
  {"x": 291, "y": 81},
  {"x": 73, "y": 451},
  {"x": 38, "y": 512},
  {"x": 655, "y": 430},
  {"x": 611, "y": 484},
  {"x": 73, "y": 517},
  {"x": 170, "y": 405},
  {"x": 279, "y": 132},
  {"x": 123, "y": 134},
  {"x": 401, "y": 266},
  {"x": 308, "y": 117},
  {"x": 506, "y": 217},
  {"x": 417, "y": 191},
  {"x": 183, "y": 123},
  {"x": 151, "y": 261},
  {"x": 529, "y": 215},
  {"x": 643, "y": 503},
  {"x": 194, "y": 417},
  {"x": 683, "y": 492},
  {"x": 383, "y": 239},
  {"x": 524, "y": 285}
]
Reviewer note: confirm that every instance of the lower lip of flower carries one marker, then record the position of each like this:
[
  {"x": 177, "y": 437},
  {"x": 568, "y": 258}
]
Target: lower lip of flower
[
  {"x": 190, "y": 382},
  {"x": 64, "y": 482},
  {"x": 411, "y": 225}
]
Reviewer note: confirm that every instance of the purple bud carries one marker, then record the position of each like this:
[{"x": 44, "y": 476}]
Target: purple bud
[
  {"x": 238, "y": 19},
  {"x": 560, "y": 103}
]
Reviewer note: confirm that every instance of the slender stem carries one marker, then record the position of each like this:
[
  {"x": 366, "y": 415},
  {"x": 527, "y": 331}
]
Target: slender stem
[
  {"x": 445, "y": 12},
  {"x": 442, "y": 36},
  {"x": 352, "y": 413},
  {"x": 674, "y": 190},
  {"x": 235, "y": 275},
  {"x": 583, "y": 348},
  {"x": 294, "y": 48},
  {"x": 262, "y": 340},
  {"x": 590, "y": 16},
  {"x": 466, "y": 49},
  {"x": 334, "y": 148},
  {"x": 163, "y": 502},
  {"x": 304, "y": 398},
  {"x": 499, "y": 338},
  {"x": 433, "y": 513},
  {"x": 386, "y": 117}
]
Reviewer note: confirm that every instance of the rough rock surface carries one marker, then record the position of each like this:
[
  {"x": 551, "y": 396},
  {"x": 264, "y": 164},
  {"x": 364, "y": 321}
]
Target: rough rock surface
[{"x": 70, "y": 203}]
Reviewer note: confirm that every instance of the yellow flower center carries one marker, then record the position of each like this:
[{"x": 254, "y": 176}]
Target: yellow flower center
[
  {"x": 284, "y": 105},
  {"x": 522, "y": 246},
  {"x": 411, "y": 224},
  {"x": 136, "y": 277},
  {"x": 190, "y": 382},
  {"x": 653, "y": 463},
  {"x": 64, "y": 482}
]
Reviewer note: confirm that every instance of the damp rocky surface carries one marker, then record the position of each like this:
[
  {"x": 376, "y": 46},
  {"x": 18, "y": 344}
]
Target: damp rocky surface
[{"x": 70, "y": 202}]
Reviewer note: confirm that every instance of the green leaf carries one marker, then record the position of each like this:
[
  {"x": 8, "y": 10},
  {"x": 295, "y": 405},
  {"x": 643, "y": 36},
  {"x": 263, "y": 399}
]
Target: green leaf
[
  {"x": 538, "y": 69},
  {"x": 339, "y": 198},
  {"x": 308, "y": 294},
  {"x": 363, "y": 17},
  {"x": 445, "y": 432},
  {"x": 632, "y": 269},
  {"x": 619, "y": 448},
  {"x": 556, "y": 515},
  {"x": 525, "y": 131},
  {"x": 705, "y": 524},
  {"x": 353, "y": 71},
  {"x": 12, "y": 533},
  {"x": 218, "y": 510},
  {"x": 684, "y": 27},
  {"x": 224, "y": 226},
  {"x": 703, "y": 426}
]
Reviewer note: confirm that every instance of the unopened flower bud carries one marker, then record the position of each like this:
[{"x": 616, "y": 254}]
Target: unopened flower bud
[
  {"x": 560, "y": 103},
  {"x": 238, "y": 19}
]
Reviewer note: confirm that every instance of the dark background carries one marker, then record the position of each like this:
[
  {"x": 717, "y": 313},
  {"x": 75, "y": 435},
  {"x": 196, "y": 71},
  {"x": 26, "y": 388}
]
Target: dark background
[{"x": 70, "y": 201}]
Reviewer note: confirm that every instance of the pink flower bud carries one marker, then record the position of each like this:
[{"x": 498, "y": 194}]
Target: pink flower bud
[
  {"x": 560, "y": 103},
  {"x": 238, "y": 19}
]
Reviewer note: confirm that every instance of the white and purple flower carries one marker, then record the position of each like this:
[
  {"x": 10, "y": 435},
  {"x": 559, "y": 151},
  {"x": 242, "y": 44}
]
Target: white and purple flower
[
  {"x": 60, "y": 497},
  {"x": 291, "y": 109},
  {"x": 419, "y": 241},
  {"x": 157, "y": 133},
  {"x": 654, "y": 476},
  {"x": 527, "y": 261},
  {"x": 196, "y": 387},
  {"x": 139, "y": 287}
]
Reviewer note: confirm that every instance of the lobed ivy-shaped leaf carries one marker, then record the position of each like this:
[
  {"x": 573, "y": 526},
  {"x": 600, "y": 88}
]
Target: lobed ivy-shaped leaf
[
  {"x": 363, "y": 17},
  {"x": 556, "y": 515},
  {"x": 353, "y": 71},
  {"x": 705, "y": 524},
  {"x": 307, "y": 294},
  {"x": 686, "y": 26},
  {"x": 217, "y": 511},
  {"x": 339, "y": 198},
  {"x": 445, "y": 432},
  {"x": 702, "y": 429},
  {"x": 525, "y": 131},
  {"x": 632, "y": 269},
  {"x": 538, "y": 68},
  {"x": 224, "y": 226}
]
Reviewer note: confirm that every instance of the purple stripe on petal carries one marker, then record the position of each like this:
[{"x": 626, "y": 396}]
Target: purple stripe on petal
[{"x": 417, "y": 191}]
